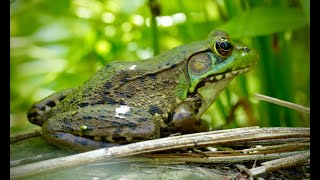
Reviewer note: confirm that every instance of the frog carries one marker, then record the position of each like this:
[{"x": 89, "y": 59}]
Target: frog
[{"x": 133, "y": 101}]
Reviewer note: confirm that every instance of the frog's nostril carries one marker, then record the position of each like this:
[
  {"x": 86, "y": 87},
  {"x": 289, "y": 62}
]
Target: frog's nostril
[{"x": 245, "y": 49}]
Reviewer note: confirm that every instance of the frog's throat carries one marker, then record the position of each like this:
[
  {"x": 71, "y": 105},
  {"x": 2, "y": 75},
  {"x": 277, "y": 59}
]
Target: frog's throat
[
  {"x": 209, "y": 92},
  {"x": 210, "y": 87}
]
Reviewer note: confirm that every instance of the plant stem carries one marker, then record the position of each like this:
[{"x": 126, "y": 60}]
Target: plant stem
[{"x": 155, "y": 11}]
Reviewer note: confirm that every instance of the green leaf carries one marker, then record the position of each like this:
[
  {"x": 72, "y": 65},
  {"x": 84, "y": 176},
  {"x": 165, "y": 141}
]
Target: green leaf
[
  {"x": 306, "y": 8},
  {"x": 264, "y": 21}
]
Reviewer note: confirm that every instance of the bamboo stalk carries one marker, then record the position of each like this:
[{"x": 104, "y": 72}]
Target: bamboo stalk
[{"x": 155, "y": 10}]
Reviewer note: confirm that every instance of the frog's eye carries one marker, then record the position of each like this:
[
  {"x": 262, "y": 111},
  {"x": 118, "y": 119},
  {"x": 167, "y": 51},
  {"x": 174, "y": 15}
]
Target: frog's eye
[
  {"x": 199, "y": 63},
  {"x": 223, "y": 47}
]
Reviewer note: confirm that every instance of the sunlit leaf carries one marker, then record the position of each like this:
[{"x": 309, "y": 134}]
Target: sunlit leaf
[{"x": 264, "y": 21}]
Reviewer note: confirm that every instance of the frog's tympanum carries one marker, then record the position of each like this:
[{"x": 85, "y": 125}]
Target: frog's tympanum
[{"x": 127, "y": 102}]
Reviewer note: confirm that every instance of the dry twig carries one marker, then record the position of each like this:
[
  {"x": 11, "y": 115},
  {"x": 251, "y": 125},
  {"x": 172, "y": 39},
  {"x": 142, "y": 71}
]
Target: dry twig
[
  {"x": 283, "y": 103},
  {"x": 24, "y": 135},
  {"x": 185, "y": 141},
  {"x": 282, "y": 163}
]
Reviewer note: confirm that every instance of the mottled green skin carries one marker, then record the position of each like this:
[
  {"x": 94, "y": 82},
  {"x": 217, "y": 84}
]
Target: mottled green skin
[{"x": 87, "y": 117}]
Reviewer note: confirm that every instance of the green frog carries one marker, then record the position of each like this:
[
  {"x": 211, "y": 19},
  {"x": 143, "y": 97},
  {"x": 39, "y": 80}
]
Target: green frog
[{"x": 126, "y": 102}]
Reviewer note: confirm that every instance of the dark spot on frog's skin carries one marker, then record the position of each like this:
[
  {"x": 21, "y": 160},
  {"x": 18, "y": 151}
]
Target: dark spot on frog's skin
[
  {"x": 125, "y": 79},
  {"x": 196, "y": 110},
  {"x": 125, "y": 76},
  {"x": 61, "y": 98},
  {"x": 124, "y": 124},
  {"x": 153, "y": 76},
  {"x": 102, "y": 117},
  {"x": 154, "y": 109},
  {"x": 141, "y": 79},
  {"x": 108, "y": 65},
  {"x": 98, "y": 102},
  {"x": 67, "y": 126},
  {"x": 33, "y": 114},
  {"x": 35, "y": 121},
  {"x": 109, "y": 100},
  {"x": 116, "y": 124},
  {"x": 87, "y": 118},
  {"x": 142, "y": 119},
  {"x": 130, "y": 124},
  {"x": 119, "y": 138},
  {"x": 87, "y": 92},
  {"x": 51, "y": 103},
  {"x": 173, "y": 66},
  {"x": 84, "y": 104},
  {"x": 108, "y": 85},
  {"x": 124, "y": 94},
  {"x": 120, "y": 94},
  {"x": 122, "y": 103},
  {"x": 117, "y": 131},
  {"x": 40, "y": 107},
  {"x": 72, "y": 100}
]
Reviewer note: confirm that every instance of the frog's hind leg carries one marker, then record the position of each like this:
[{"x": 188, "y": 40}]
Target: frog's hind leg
[
  {"x": 98, "y": 126},
  {"x": 39, "y": 110},
  {"x": 76, "y": 143}
]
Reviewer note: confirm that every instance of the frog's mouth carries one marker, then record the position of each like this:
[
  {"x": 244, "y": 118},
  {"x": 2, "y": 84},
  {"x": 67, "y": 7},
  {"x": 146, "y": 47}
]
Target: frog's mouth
[{"x": 226, "y": 75}]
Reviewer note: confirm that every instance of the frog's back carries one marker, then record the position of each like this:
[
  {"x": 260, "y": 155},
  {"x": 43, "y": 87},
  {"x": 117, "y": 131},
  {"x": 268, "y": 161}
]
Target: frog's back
[{"x": 149, "y": 84}]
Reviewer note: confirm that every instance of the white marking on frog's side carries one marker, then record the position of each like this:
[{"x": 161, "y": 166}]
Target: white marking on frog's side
[
  {"x": 132, "y": 67},
  {"x": 122, "y": 110}
]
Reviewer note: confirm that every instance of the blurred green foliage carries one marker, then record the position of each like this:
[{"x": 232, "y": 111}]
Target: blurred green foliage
[{"x": 59, "y": 44}]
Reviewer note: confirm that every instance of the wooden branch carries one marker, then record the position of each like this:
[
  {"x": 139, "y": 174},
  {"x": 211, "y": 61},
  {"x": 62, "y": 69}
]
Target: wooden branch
[
  {"x": 226, "y": 159},
  {"x": 268, "y": 142},
  {"x": 282, "y": 163},
  {"x": 176, "y": 142},
  {"x": 24, "y": 135}
]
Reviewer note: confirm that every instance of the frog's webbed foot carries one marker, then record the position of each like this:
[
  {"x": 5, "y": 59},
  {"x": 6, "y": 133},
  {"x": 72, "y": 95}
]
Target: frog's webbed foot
[
  {"x": 38, "y": 112},
  {"x": 98, "y": 126}
]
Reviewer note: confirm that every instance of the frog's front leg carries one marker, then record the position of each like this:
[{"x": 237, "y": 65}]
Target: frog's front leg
[
  {"x": 98, "y": 126},
  {"x": 185, "y": 118}
]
